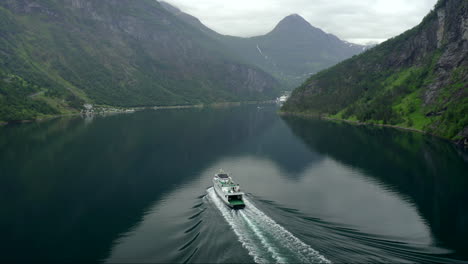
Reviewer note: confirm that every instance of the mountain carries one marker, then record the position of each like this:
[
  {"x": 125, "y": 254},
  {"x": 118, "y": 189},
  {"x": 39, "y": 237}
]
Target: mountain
[
  {"x": 294, "y": 50},
  {"x": 189, "y": 19},
  {"x": 418, "y": 79},
  {"x": 291, "y": 52},
  {"x": 58, "y": 54}
]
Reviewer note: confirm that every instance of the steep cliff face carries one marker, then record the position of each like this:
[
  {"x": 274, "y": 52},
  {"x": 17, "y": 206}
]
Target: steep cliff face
[
  {"x": 294, "y": 50},
  {"x": 291, "y": 52},
  {"x": 121, "y": 52},
  {"x": 418, "y": 79}
]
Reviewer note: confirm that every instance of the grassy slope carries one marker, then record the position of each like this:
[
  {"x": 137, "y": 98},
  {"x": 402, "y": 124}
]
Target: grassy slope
[
  {"x": 20, "y": 99},
  {"x": 138, "y": 55},
  {"x": 368, "y": 89}
]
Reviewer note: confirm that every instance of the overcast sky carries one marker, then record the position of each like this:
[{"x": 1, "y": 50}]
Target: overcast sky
[{"x": 358, "y": 21}]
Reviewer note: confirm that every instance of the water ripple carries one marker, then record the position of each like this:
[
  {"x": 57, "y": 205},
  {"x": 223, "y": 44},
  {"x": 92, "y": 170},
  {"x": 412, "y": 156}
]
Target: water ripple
[{"x": 265, "y": 240}]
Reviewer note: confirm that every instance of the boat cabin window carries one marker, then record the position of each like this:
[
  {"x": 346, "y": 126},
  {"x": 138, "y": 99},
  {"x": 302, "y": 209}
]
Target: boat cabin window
[
  {"x": 234, "y": 197},
  {"x": 223, "y": 176}
]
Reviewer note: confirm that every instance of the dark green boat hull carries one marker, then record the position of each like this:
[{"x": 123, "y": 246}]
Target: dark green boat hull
[{"x": 236, "y": 204}]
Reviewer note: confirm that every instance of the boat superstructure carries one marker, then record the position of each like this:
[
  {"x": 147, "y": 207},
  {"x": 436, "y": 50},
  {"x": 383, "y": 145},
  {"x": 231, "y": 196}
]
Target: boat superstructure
[
  {"x": 228, "y": 190},
  {"x": 283, "y": 98}
]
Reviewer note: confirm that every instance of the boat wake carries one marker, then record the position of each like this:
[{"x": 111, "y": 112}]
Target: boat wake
[{"x": 265, "y": 240}]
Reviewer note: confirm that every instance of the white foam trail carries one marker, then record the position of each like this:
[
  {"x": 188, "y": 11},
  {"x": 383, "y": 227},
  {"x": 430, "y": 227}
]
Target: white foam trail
[
  {"x": 265, "y": 240},
  {"x": 244, "y": 237}
]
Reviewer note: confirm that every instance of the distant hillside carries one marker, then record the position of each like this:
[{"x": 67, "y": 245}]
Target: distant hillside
[
  {"x": 416, "y": 80},
  {"x": 57, "y": 54},
  {"x": 291, "y": 52}
]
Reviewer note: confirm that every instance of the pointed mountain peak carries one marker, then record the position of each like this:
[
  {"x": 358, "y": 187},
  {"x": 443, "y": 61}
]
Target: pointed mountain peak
[
  {"x": 294, "y": 20},
  {"x": 293, "y": 23}
]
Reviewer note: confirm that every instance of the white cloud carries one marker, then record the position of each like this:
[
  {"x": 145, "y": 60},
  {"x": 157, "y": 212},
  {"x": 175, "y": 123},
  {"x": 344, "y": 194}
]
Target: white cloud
[{"x": 360, "y": 21}]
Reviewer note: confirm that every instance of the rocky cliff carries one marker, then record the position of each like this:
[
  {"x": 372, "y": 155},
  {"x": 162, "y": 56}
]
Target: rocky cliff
[
  {"x": 118, "y": 52},
  {"x": 418, "y": 79},
  {"x": 291, "y": 52}
]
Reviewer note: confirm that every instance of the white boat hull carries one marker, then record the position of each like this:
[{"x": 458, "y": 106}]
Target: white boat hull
[{"x": 224, "y": 196}]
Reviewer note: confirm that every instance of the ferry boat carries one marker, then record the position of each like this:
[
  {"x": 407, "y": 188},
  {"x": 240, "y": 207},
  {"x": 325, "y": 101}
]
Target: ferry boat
[
  {"x": 228, "y": 190},
  {"x": 282, "y": 99}
]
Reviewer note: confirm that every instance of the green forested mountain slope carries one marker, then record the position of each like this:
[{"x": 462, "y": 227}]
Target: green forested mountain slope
[
  {"x": 119, "y": 53},
  {"x": 291, "y": 52},
  {"x": 19, "y": 99},
  {"x": 416, "y": 80}
]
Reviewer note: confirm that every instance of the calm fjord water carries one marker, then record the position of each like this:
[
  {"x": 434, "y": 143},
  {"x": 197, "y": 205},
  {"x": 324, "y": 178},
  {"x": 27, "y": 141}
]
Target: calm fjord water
[{"x": 136, "y": 188}]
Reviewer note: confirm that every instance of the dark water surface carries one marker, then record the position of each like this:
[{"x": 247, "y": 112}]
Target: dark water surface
[{"x": 136, "y": 188}]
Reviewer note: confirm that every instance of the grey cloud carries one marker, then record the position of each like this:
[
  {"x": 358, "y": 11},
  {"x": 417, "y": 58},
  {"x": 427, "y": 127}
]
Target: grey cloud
[{"x": 352, "y": 20}]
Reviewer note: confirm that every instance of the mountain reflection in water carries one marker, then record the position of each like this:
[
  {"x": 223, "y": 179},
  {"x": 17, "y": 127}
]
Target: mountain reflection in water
[{"x": 133, "y": 188}]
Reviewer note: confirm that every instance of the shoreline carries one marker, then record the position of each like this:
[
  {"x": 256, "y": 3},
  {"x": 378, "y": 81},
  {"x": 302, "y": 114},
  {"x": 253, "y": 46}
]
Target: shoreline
[
  {"x": 380, "y": 125},
  {"x": 218, "y": 104},
  {"x": 44, "y": 118},
  {"x": 358, "y": 123},
  {"x": 123, "y": 110}
]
